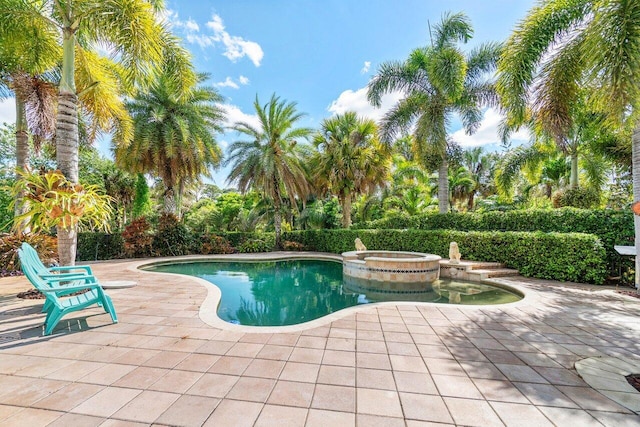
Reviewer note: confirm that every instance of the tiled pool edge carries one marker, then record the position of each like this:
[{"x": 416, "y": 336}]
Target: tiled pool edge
[
  {"x": 608, "y": 376},
  {"x": 208, "y": 308}
]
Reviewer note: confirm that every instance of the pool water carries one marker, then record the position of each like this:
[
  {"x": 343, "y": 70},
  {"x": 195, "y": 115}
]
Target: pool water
[{"x": 277, "y": 293}]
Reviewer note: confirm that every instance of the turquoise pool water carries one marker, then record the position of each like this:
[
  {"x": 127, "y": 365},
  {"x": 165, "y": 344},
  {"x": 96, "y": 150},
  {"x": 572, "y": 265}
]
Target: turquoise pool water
[{"x": 278, "y": 293}]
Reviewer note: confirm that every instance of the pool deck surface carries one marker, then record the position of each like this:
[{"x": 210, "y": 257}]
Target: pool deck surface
[{"x": 388, "y": 364}]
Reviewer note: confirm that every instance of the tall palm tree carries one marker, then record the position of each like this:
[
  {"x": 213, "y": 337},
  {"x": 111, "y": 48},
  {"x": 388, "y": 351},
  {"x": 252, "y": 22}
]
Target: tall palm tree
[
  {"x": 173, "y": 136},
  {"x": 568, "y": 44},
  {"x": 481, "y": 167},
  {"x": 349, "y": 160},
  {"x": 133, "y": 33},
  {"x": 437, "y": 81},
  {"x": 269, "y": 161}
]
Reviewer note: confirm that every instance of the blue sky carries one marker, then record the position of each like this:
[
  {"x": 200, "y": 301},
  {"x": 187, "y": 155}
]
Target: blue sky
[{"x": 318, "y": 53}]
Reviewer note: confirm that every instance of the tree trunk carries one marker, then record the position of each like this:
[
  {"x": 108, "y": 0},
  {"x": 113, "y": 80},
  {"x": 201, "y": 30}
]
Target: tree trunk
[
  {"x": 277, "y": 215},
  {"x": 170, "y": 206},
  {"x": 574, "y": 170},
  {"x": 346, "y": 210},
  {"x": 67, "y": 139},
  {"x": 443, "y": 187},
  {"x": 471, "y": 200},
  {"x": 635, "y": 158},
  {"x": 22, "y": 154}
]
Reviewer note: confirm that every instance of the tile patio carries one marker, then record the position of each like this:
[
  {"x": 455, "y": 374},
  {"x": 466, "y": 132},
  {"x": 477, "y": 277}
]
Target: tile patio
[{"x": 388, "y": 364}]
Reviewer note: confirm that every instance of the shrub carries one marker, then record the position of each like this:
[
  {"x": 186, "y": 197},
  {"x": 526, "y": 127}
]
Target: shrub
[
  {"x": 137, "y": 237},
  {"x": 570, "y": 256},
  {"x": 45, "y": 245},
  {"x": 288, "y": 245},
  {"x": 254, "y": 245},
  {"x": 97, "y": 246},
  {"x": 581, "y": 197},
  {"x": 171, "y": 238},
  {"x": 212, "y": 244}
]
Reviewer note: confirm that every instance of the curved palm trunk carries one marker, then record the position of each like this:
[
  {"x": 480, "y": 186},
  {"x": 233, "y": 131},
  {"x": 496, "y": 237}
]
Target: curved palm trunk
[
  {"x": 346, "y": 210},
  {"x": 635, "y": 158},
  {"x": 169, "y": 202},
  {"x": 67, "y": 140},
  {"x": 443, "y": 187},
  {"x": 22, "y": 152}
]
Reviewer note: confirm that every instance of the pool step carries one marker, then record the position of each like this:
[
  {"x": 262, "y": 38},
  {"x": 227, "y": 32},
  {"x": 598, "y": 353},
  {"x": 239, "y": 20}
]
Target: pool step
[
  {"x": 488, "y": 273},
  {"x": 486, "y": 265},
  {"x": 475, "y": 271}
]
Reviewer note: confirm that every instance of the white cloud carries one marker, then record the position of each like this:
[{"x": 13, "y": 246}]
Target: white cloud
[
  {"x": 243, "y": 80},
  {"x": 8, "y": 110},
  {"x": 357, "y": 101},
  {"x": 236, "y": 46},
  {"x": 191, "y": 25},
  {"x": 223, "y": 144},
  {"x": 487, "y": 132},
  {"x": 235, "y": 114},
  {"x": 365, "y": 67},
  {"x": 228, "y": 83}
]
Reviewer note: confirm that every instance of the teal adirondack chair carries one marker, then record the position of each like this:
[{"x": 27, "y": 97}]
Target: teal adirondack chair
[
  {"x": 57, "y": 307},
  {"x": 64, "y": 272}
]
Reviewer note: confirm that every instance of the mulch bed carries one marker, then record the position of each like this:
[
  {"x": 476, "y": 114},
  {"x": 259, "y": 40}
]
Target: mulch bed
[
  {"x": 634, "y": 380},
  {"x": 634, "y": 294},
  {"x": 31, "y": 294}
]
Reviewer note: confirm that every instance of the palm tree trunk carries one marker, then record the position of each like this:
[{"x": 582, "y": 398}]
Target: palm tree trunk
[
  {"x": 67, "y": 139},
  {"x": 635, "y": 159},
  {"x": 443, "y": 187},
  {"x": 471, "y": 200},
  {"x": 277, "y": 215},
  {"x": 170, "y": 206},
  {"x": 574, "y": 170},
  {"x": 22, "y": 152},
  {"x": 346, "y": 210}
]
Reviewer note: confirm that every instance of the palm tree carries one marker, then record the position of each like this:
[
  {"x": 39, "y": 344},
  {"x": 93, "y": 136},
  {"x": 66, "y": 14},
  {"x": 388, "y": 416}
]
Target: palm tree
[
  {"x": 578, "y": 43},
  {"x": 349, "y": 160},
  {"x": 437, "y": 81},
  {"x": 461, "y": 184},
  {"x": 269, "y": 161},
  {"x": 132, "y": 32},
  {"x": 173, "y": 136},
  {"x": 481, "y": 167}
]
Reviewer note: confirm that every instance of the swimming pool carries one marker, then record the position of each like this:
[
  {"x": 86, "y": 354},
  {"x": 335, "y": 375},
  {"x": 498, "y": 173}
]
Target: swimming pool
[{"x": 278, "y": 293}]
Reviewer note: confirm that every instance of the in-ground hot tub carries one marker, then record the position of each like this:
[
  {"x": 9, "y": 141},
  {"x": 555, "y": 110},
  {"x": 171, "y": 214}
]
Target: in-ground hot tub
[{"x": 391, "y": 271}]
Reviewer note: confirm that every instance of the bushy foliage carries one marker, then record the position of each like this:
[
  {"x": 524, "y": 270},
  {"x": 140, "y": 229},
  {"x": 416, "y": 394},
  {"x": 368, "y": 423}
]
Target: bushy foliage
[
  {"x": 288, "y": 245},
  {"x": 213, "y": 244},
  {"x": 254, "y": 246},
  {"x": 569, "y": 256},
  {"x": 138, "y": 239},
  {"x": 100, "y": 246},
  {"x": 203, "y": 216},
  {"x": 581, "y": 197},
  {"x": 171, "y": 238},
  {"x": 45, "y": 245},
  {"x": 141, "y": 200}
]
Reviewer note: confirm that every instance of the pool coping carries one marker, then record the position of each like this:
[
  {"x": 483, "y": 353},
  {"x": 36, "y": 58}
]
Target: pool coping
[{"x": 208, "y": 308}]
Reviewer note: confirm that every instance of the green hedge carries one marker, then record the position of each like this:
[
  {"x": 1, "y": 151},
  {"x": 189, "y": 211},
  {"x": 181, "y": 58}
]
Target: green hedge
[
  {"x": 98, "y": 246},
  {"x": 567, "y": 256},
  {"x": 612, "y": 227}
]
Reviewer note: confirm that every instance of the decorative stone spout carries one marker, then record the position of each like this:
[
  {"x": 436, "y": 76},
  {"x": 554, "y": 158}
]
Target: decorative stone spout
[
  {"x": 454, "y": 253},
  {"x": 359, "y": 245}
]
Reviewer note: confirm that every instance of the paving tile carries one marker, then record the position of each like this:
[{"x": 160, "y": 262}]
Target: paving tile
[
  {"x": 521, "y": 373},
  {"x": 108, "y": 374},
  {"x": 312, "y": 342},
  {"x": 176, "y": 381},
  {"x": 545, "y": 394},
  {"x": 165, "y": 359},
  {"x": 415, "y": 383},
  {"x": 252, "y": 389},
  {"x": 147, "y": 406},
  {"x": 7, "y": 411},
  {"x": 378, "y": 402},
  {"x": 370, "y": 346},
  {"x": 275, "y": 352},
  {"x": 215, "y": 347},
  {"x": 264, "y": 368},
  {"x": 366, "y": 420},
  {"x": 106, "y": 402},
  {"x": 612, "y": 419},
  {"x": 482, "y": 370},
  {"x": 136, "y": 356},
  {"x": 77, "y": 420},
  {"x": 188, "y": 411},
  {"x": 568, "y": 417},
  {"x": 242, "y": 349},
  {"x": 375, "y": 378},
  {"x": 336, "y": 398},
  {"x": 454, "y": 386},
  {"x": 373, "y": 361},
  {"x": 285, "y": 416},
  {"x": 424, "y": 407},
  {"x": 25, "y": 392},
  {"x": 303, "y": 372},
  {"x": 284, "y": 339},
  {"x": 408, "y": 364},
  {"x": 339, "y": 358},
  {"x": 75, "y": 371},
  {"x": 292, "y": 394},
  {"x": 197, "y": 362},
  {"x": 444, "y": 367},
  {"x": 519, "y": 415},
  {"x": 306, "y": 355},
  {"x": 501, "y": 391},
  {"x": 234, "y": 413},
  {"x": 337, "y": 375},
  {"x": 322, "y": 418},
  {"x": 68, "y": 397},
  {"x": 230, "y": 365},
  {"x": 32, "y": 417},
  {"x": 141, "y": 377},
  {"x": 589, "y": 398},
  {"x": 470, "y": 412},
  {"x": 213, "y": 385},
  {"x": 560, "y": 376}
]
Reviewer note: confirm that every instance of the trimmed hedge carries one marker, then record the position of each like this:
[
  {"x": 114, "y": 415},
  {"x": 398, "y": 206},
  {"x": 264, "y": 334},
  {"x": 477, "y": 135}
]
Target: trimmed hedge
[
  {"x": 567, "y": 256},
  {"x": 99, "y": 246}
]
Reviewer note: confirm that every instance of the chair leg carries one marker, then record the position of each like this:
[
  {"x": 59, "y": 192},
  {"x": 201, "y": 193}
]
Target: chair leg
[
  {"x": 52, "y": 320},
  {"x": 109, "y": 308},
  {"x": 46, "y": 306}
]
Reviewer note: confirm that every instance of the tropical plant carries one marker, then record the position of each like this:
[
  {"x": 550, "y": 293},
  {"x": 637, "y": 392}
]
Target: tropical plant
[
  {"x": 481, "y": 167},
  {"x": 578, "y": 43},
  {"x": 349, "y": 160},
  {"x": 173, "y": 136},
  {"x": 269, "y": 161},
  {"x": 53, "y": 201},
  {"x": 436, "y": 82}
]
